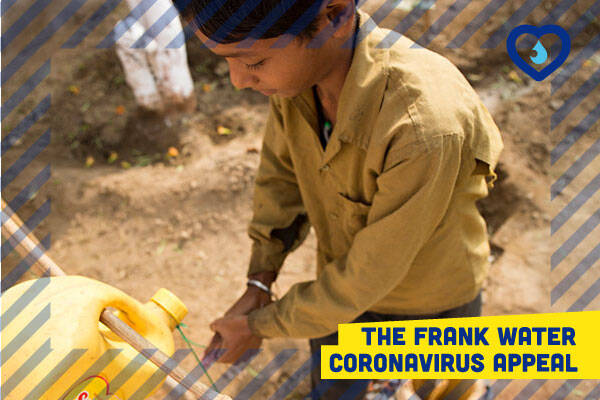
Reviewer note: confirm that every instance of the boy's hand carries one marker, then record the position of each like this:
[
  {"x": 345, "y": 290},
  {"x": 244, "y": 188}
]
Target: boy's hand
[
  {"x": 252, "y": 299},
  {"x": 233, "y": 335}
]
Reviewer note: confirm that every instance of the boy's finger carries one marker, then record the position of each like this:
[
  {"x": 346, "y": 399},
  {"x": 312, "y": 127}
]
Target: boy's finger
[
  {"x": 213, "y": 348},
  {"x": 230, "y": 356},
  {"x": 215, "y": 342},
  {"x": 214, "y": 326}
]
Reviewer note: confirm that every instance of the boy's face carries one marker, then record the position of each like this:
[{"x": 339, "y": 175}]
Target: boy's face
[{"x": 285, "y": 71}]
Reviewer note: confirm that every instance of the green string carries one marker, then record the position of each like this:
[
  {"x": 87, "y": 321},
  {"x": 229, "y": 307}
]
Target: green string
[{"x": 189, "y": 345}]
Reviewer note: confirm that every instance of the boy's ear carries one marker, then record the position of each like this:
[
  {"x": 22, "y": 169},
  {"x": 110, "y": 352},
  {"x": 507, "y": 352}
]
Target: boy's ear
[{"x": 340, "y": 12}]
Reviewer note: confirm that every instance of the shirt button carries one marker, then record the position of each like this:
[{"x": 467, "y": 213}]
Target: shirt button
[{"x": 325, "y": 168}]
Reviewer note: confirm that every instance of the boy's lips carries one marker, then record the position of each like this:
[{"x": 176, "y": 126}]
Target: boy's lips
[{"x": 268, "y": 92}]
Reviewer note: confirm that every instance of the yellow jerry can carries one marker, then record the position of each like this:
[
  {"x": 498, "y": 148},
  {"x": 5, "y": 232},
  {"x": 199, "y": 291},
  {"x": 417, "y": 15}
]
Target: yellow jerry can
[{"x": 55, "y": 348}]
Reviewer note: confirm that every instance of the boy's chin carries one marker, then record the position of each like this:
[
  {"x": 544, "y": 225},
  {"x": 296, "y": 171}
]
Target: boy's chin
[
  {"x": 286, "y": 94},
  {"x": 282, "y": 93}
]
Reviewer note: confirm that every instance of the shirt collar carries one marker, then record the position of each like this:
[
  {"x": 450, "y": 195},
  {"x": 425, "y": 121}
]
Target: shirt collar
[{"x": 363, "y": 87}]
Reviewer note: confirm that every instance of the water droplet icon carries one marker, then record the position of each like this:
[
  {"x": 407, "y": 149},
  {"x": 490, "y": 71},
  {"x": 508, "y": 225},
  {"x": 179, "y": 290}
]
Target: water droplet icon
[{"x": 541, "y": 55}]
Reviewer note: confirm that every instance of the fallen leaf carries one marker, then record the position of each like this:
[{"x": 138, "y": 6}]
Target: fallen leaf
[
  {"x": 476, "y": 77},
  {"x": 587, "y": 63},
  {"x": 125, "y": 164},
  {"x": 120, "y": 110},
  {"x": 252, "y": 371},
  {"x": 143, "y": 160},
  {"x": 172, "y": 152},
  {"x": 74, "y": 90},
  {"x": 514, "y": 76},
  {"x": 207, "y": 87},
  {"x": 112, "y": 157},
  {"x": 161, "y": 247},
  {"x": 89, "y": 161},
  {"x": 179, "y": 168},
  {"x": 221, "y": 130}
]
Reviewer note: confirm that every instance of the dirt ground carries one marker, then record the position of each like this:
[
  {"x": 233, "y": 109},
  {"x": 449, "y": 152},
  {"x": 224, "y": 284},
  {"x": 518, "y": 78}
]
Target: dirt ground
[{"x": 126, "y": 213}]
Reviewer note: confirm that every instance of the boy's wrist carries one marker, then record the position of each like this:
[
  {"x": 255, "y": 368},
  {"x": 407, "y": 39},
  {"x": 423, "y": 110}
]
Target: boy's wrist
[{"x": 266, "y": 277}]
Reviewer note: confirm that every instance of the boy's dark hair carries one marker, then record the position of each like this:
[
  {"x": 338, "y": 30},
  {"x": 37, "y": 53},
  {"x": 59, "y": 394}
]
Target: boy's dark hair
[{"x": 230, "y": 21}]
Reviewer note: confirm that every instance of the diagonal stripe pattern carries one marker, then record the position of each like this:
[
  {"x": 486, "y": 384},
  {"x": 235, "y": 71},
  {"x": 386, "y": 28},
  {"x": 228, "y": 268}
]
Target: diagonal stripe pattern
[
  {"x": 28, "y": 365},
  {"x": 101, "y": 363},
  {"x": 156, "y": 378},
  {"x": 28, "y": 331},
  {"x": 265, "y": 374},
  {"x": 561, "y": 79},
  {"x": 56, "y": 372},
  {"x": 17, "y": 272}
]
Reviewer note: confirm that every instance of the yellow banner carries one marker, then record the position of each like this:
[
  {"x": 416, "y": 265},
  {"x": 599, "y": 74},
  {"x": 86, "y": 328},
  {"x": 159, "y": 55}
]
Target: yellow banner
[{"x": 533, "y": 346}]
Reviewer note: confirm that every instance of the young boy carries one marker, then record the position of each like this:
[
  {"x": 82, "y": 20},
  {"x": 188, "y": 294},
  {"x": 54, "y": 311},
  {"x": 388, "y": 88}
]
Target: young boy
[{"x": 382, "y": 148}]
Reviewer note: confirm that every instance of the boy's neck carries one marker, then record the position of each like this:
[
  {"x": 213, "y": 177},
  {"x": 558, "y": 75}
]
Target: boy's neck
[{"x": 330, "y": 87}]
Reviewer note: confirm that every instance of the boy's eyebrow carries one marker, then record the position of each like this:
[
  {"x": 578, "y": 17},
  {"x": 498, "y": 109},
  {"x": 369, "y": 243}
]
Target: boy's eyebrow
[{"x": 235, "y": 54}]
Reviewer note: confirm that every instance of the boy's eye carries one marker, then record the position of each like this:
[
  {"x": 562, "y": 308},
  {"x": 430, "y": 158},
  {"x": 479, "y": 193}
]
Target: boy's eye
[{"x": 256, "y": 65}]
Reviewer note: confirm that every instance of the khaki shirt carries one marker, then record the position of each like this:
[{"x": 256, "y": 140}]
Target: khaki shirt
[{"x": 391, "y": 199}]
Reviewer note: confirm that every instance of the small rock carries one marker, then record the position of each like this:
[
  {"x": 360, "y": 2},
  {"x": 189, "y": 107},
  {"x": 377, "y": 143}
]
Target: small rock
[
  {"x": 178, "y": 216},
  {"x": 159, "y": 222},
  {"x": 555, "y": 104},
  {"x": 197, "y": 227},
  {"x": 222, "y": 69}
]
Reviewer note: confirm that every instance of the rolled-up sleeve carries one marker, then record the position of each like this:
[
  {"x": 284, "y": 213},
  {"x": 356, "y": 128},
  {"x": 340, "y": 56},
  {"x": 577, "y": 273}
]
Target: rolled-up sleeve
[
  {"x": 279, "y": 223},
  {"x": 414, "y": 192}
]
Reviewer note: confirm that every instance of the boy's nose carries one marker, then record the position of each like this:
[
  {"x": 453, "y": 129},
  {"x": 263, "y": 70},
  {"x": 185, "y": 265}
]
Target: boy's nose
[{"x": 240, "y": 77}]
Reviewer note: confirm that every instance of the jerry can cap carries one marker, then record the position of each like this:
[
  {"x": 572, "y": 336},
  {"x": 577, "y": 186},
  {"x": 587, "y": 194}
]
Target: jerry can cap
[{"x": 171, "y": 304}]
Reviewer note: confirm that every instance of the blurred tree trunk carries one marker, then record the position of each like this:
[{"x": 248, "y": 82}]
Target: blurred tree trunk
[{"x": 159, "y": 76}]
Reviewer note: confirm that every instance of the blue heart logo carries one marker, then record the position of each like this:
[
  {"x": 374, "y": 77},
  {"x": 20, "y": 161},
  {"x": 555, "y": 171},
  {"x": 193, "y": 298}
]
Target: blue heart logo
[{"x": 538, "y": 32}]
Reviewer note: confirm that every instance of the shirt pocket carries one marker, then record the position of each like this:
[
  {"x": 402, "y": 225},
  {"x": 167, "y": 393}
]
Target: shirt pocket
[{"x": 354, "y": 214}]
